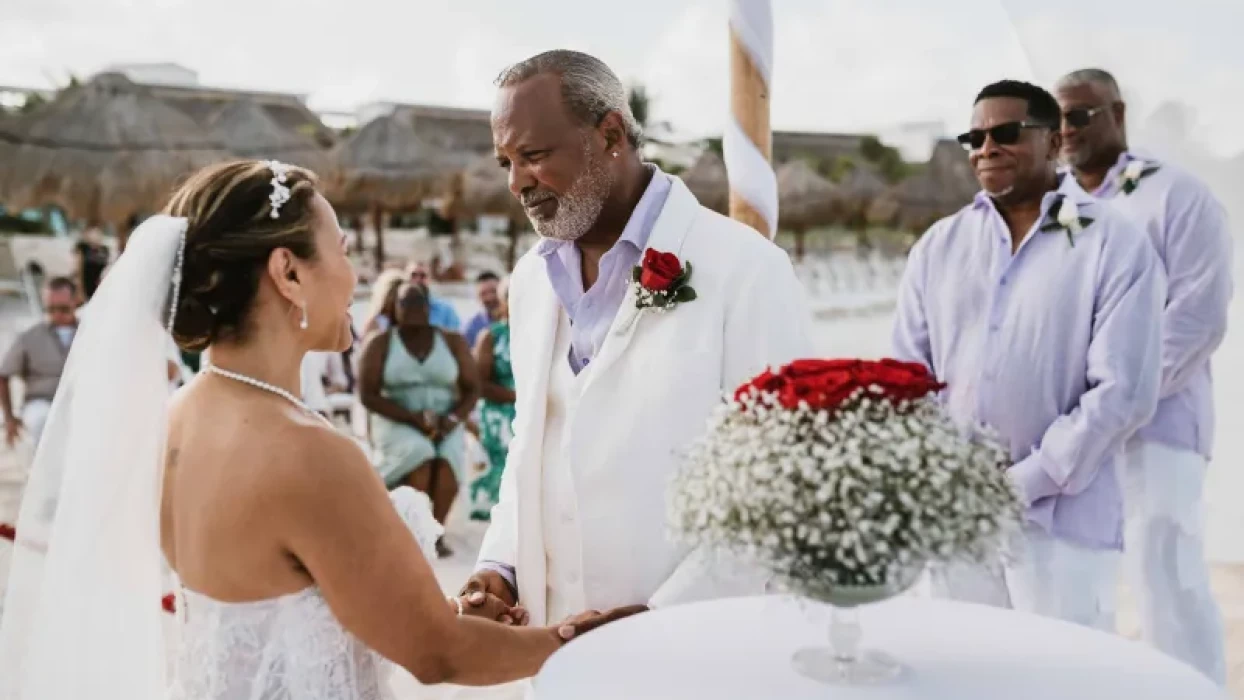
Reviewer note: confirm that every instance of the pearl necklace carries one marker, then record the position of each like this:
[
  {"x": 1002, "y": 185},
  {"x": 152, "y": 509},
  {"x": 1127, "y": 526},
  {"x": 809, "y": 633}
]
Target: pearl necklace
[{"x": 237, "y": 377}]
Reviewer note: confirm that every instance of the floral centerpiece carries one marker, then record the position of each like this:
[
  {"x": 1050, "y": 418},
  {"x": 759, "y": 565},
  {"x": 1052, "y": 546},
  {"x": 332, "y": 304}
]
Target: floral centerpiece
[{"x": 843, "y": 478}]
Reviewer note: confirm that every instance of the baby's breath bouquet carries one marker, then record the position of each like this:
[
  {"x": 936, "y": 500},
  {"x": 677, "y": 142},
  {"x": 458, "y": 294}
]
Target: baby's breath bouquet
[
  {"x": 843, "y": 473},
  {"x": 844, "y": 478}
]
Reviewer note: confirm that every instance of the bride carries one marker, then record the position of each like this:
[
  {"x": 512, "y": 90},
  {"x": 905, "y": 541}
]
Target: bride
[{"x": 298, "y": 578}]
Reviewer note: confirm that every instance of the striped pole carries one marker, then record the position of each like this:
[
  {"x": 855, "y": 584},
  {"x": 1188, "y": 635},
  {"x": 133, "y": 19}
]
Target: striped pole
[{"x": 748, "y": 142}]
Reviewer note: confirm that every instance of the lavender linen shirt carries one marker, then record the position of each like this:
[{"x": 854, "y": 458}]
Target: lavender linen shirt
[
  {"x": 592, "y": 311},
  {"x": 1057, "y": 347},
  {"x": 1188, "y": 228}
]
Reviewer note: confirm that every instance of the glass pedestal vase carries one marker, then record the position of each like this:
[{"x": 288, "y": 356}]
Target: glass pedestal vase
[{"x": 845, "y": 661}]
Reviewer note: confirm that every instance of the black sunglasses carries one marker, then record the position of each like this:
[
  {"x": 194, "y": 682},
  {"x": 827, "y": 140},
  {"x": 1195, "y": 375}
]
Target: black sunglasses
[
  {"x": 1082, "y": 116},
  {"x": 1002, "y": 134}
]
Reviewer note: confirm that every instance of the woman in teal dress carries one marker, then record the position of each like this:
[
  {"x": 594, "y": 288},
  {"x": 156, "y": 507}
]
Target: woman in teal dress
[
  {"x": 419, "y": 384},
  {"x": 496, "y": 410}
]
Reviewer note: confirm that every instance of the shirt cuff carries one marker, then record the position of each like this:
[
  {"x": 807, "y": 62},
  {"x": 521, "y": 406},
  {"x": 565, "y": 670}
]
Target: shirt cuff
[
  {"x": 507, "y": 572},
  {"x": 1032, "y": 479}
]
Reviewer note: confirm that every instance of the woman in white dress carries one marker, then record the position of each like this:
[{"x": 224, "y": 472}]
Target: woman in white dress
[{"x": 298, "y": 577}]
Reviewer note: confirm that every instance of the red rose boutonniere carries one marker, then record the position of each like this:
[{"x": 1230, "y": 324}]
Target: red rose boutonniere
[{"x": 661, "y": 281}]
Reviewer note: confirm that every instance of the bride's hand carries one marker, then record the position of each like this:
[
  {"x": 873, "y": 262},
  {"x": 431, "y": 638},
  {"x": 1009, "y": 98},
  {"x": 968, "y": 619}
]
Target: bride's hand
[{"x": 578, "y": 625}]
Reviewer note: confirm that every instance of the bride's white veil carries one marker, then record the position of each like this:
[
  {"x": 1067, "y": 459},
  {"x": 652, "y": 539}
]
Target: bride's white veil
[{"x": 82, "y": 615}]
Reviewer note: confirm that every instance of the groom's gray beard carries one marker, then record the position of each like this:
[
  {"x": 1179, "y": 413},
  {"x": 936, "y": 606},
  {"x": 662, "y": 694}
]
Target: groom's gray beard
[
  {"x": 999, "y": 195},
  {"x": 578, "y": 209}
]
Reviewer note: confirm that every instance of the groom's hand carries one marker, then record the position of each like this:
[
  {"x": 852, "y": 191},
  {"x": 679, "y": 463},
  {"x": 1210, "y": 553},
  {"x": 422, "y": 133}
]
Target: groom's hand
[
  {"x": 484, "y": 583},
  {"x": 495, "y": 610},
  {"x": 581, "y": 624}
]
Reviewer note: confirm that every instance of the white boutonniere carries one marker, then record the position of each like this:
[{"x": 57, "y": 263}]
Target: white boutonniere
[
  {"x": 1133, "y": 173},
  {"x": 1065, "y": 215}
]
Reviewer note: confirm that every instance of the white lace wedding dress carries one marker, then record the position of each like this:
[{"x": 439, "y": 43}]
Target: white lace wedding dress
[{"x": 286, "y": 648}]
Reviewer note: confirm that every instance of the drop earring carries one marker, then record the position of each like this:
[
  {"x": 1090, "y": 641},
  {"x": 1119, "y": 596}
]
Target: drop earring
[
  {"x": 303, "y": 323},
  {"x": 615, "y": 154}
]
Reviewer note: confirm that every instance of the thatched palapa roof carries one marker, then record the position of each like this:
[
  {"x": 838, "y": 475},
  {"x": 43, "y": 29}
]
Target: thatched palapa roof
[
  {"x": 387, "y": 164},
  {"x": 708, "y": 181},
  {"x": 286, "y": 109},
  {"x": 805, "y": 199},
  {"x": 943, "y": 187},
  {"x": 104, "y": 151},
  {"x": 484, "y": 189},
  {"x": 249, "y": 131}
]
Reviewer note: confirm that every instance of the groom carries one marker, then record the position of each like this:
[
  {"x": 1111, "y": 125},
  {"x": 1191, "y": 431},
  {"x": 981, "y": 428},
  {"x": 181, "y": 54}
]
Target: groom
[{"x": 608, "y": 393}]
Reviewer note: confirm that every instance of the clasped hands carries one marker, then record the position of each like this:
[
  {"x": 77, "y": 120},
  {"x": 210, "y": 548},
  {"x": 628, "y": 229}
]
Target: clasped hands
[
  {"x": 487, "y": 595},
  {"x": 436, "y": 427}
]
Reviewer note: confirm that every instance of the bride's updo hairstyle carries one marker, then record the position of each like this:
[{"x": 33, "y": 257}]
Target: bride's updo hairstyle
[{"x": 230, "y": 234}]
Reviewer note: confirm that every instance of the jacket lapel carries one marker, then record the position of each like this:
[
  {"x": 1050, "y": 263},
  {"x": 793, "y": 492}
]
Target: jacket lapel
[
  {"x": 668, "y": 233},
  {"x": 533, "y": 338}
]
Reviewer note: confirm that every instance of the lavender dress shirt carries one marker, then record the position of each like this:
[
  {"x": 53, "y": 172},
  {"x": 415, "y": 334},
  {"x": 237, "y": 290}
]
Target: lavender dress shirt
[
  {"x": 1188, "y": 228},
  {"x": 1057, "y": 347}
]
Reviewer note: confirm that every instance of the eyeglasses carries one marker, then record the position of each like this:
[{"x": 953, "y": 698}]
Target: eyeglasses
[
  {"x": 60, "y": 309},
  {"x": 1002, "y": 134},
  {"x": 1082, "y": 116}
]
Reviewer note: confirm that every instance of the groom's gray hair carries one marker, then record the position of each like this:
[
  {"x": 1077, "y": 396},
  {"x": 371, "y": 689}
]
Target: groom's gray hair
[{"x": 589, "y": 88}]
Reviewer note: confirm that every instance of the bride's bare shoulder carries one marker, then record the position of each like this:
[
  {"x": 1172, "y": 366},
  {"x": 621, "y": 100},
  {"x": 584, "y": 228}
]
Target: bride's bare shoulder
[{"x": 288, "y": 442}]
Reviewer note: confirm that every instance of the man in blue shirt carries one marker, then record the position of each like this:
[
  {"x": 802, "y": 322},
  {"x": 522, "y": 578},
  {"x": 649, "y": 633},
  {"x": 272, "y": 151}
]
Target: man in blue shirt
[
  {"x": 486, "y": 291},
  {"x": 440, "y": 312}
]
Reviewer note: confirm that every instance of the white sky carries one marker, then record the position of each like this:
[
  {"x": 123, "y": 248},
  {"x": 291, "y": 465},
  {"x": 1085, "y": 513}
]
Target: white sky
[{"x": 840, "y": 64}]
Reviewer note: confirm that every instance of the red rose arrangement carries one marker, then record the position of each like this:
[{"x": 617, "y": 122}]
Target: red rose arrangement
[
  {"x": 8, "y": 532},
  {"x": 661, "y": 280},
  {"x": 827, "y": 384},
  {"x": 841, "y": 473}
]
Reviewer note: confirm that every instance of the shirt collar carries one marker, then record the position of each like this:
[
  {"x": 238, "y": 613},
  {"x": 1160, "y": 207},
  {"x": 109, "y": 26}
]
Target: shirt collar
[
  {"x": 1066, "y": 187},
  {"x": 638, "y": 227}
]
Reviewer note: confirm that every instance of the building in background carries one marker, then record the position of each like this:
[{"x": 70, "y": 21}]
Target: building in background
[{"x": 156, "y": 73}]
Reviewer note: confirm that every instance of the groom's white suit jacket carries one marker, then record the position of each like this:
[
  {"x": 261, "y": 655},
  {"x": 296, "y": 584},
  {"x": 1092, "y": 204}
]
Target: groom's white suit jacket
[{"x": 645, "y": 397}]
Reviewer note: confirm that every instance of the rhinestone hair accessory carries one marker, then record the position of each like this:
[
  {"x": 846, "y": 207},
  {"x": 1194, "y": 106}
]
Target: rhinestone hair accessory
[
  {"x": 175, "y": 281},
  {"x": 280, "y": 193}
]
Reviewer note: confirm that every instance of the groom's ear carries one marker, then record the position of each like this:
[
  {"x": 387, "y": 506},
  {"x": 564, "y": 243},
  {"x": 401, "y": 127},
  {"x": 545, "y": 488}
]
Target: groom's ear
[{"x": 613, "y": 131}]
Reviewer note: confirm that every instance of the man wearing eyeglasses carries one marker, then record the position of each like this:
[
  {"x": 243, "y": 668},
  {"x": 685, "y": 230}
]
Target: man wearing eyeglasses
[
  {"x": 1164, "y": 464},
  {"x": 37, "y": 357},
  {"x": 1039, "y": 308}
]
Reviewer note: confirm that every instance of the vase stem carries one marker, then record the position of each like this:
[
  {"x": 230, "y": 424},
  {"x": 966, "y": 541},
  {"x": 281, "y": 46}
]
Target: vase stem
[{"x": 845, "y": 634}]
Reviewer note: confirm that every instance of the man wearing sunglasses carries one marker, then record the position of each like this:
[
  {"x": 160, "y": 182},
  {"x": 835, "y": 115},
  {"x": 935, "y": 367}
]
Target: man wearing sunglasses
[
  {"x": 1164, "y": 465},
  {"x": 1039, "y": 308},
  {"x": 37, "y": 357}
]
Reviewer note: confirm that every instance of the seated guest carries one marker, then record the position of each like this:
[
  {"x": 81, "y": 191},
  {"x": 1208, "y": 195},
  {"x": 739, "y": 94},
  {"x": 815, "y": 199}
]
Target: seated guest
[
  {"x": 37, "y": 358},
  {"x": 486, "y": 290},
  {"x": 418, "y": 381}
]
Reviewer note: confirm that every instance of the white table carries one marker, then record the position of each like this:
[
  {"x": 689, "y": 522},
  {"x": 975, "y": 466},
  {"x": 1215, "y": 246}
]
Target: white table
[{"x": 742, "y": 648}]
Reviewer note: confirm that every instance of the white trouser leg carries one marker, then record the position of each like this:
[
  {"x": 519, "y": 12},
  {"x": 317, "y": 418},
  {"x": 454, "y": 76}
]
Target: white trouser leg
[
  {"x": 1050, "y": 577},
  {"x": 1063, "y": 580},
  {"x": 1165, "y": 559}
]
